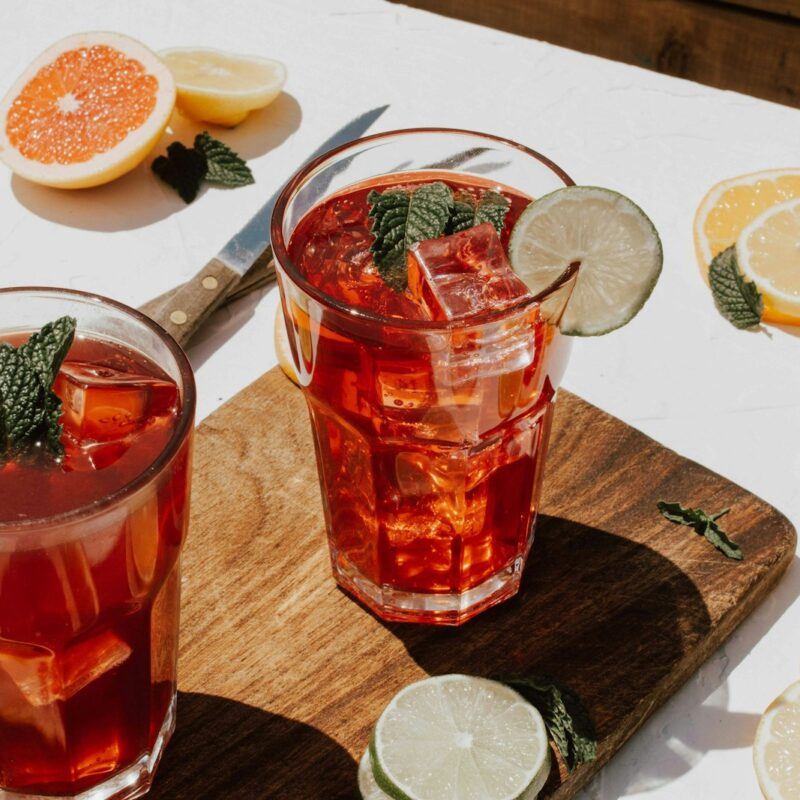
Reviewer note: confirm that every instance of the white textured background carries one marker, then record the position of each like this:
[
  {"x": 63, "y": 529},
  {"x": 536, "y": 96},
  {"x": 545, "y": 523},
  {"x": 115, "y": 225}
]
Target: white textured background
[{"x": 678, "y": 372}]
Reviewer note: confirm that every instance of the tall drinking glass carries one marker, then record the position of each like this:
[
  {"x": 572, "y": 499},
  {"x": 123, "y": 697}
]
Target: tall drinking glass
[
  {"x": 430, "y": 434},
  {"x": 89, "y": 558}
]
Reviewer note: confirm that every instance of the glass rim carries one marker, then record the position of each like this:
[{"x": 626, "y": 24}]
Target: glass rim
[
  {"x": 157, "y": 466},
  {"x": 287, "y": 265}
]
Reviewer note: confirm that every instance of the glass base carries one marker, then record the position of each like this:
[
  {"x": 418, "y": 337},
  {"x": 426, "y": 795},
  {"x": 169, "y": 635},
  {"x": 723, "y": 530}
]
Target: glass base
[
  {"x": 394, "y": 605},
  {"x": 134, "y": 781}
]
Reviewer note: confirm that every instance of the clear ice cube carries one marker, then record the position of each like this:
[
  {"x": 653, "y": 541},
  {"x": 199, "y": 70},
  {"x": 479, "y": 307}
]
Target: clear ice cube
[
  {"x": 460, "y": 275},
  {"x": 104, "y": 404},
  {"x": 44, "y": 677}
]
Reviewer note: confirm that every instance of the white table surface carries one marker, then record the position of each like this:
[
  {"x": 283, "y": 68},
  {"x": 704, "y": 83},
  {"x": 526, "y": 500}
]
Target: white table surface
[{"x": 678, "y": 372}]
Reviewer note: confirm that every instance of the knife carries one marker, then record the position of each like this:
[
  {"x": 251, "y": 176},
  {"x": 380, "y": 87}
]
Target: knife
[{"x": 183, "y": 311}]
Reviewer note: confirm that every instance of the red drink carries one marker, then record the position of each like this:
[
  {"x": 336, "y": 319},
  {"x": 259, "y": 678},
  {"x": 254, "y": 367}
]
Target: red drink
[
  {"x": 431, "y": 407},
  {"x": 89, "y": 579}
]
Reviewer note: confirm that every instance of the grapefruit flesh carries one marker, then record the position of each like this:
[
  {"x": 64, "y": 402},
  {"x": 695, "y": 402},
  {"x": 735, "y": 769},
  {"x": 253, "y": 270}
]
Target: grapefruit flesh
[{"x": 88, "y": 110}]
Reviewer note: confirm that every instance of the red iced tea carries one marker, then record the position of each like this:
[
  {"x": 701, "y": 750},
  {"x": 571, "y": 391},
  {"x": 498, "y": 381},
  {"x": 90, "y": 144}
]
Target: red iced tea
[
  {"x": 89, "y": 608},
  {"x": 430, "y": 436}
]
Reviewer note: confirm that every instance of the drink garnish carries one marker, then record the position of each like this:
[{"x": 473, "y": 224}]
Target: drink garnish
[
  {"x": 468, "y": 213},
  {"x": 401, "y": 218},
  {"x": 704, "y": 524},
  {"x": 568, "y": 723},
  {"x": 608, "y": 235},
  {"x": 737, "y": 299},
  {"x": 29, "y": 409},
  {"x": 185, "y": 168}
]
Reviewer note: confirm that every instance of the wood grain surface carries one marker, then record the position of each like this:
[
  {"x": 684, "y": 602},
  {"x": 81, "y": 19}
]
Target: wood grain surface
[
  {"x": 282, "y": 675},
  {"x": 749, "y": 46}
]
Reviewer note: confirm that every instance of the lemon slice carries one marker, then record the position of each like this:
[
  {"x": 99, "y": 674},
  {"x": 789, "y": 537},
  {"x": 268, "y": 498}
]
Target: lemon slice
[
  {"x": 283, "y": 350},
  {"x": 768, "y": 252},
  {"x": 614, "y": 241},
  {"x": 732, "y": 204},
  {"x": 460, "y": 736},
  {"x": 222, "y": 88},
  {"x": 776, "y": 750}
]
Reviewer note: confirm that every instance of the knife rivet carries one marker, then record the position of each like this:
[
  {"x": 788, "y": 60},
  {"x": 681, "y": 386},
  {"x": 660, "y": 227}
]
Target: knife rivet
[
  {"x": 210, "y": 283},
  {"x": 178, "y": 317}
]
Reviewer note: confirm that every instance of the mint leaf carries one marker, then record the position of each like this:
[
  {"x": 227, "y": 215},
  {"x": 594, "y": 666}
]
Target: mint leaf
[
  {"x": 29, "y": 409},
  {"x": 23, "y": 407},
  {"x": 389, "y": 212},
  {"x": 47, "y": 348},
  {"x": 703, "y": 524},
  {"x": 737, "y": 299},
  {"x": 463, "y": 215},
  {"x": 568, "y": 723},
  {"x": 223, "y": 165},
  {"x": 183, "y": 169},
  {"x": 492, "y": 207},
  {"x": 400, "y": 219}
]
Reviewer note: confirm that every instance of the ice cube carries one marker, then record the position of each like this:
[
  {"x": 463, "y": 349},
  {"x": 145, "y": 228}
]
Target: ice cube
[
  {"x": 104, "y": 404},
  {"x": 456, "y": 276},
  {"x": 44, "y": 677}
]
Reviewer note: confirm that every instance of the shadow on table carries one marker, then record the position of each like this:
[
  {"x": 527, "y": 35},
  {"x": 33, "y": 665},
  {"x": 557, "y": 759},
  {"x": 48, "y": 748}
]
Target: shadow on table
[
  {"x": 676, "y": 740},
  {"x": 604, "y": 615},
  {"x": 139, "y": 198},
  {"x": 223, "y": 748}
]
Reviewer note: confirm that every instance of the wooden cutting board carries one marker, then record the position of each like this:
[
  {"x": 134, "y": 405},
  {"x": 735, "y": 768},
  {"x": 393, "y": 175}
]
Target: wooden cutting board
[{"x": 282, "y": 675}]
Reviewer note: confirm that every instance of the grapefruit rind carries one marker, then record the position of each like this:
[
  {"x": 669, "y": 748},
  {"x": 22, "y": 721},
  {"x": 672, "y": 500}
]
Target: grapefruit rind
[{"x": 119, "y": 159}]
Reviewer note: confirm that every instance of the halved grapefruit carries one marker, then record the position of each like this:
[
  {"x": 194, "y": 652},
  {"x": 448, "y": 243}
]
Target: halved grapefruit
[{"x": 86, "y": 111}]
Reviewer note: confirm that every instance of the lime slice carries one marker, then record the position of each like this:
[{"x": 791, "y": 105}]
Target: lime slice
[
  {"x": 367, "y": 784},
  {"x": 456, "y": 736},
  {"x": 614, "y": 241}
]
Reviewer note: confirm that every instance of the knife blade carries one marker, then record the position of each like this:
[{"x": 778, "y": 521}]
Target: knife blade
[{"x": 183, "y": 311}]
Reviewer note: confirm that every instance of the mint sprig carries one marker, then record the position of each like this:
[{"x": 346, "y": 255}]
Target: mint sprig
[
  {"x": 223, "y": 166},
  {"x": 185, "y": 168},
  {"x": 737, "y": 299},
  {"x": 567, "y": 720},
  {"x": 704, "y": 524},
  {"x": 403, "y": 217},
  {"x": 400, "y": 219},
  {"x": 29, "y": 409}
]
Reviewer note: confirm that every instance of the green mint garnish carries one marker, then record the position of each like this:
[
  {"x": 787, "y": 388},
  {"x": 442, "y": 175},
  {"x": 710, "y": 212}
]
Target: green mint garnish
[
  {"x": 29, "y": 409},
  {"x": 401, "y": 218},
  {"x": 565, "y": 716},
  {"x": 492, "y": 207},
  {"x": 463, "y": 214},
  {"x": 185, "y": 168},
  {"x": 182, "y": 168},
  {"x": 703, "y": 524},
  {"x": 223, "y": 165},
  {"x": 737, "y": 299}
]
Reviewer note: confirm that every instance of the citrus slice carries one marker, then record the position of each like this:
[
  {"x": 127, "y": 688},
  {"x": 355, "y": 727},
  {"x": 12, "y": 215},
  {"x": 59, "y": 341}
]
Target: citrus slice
[
  {"x": 613, "y": 240},
  {"x": 776, "y": 750},
  {"x": 221, "y": 87},
  {"x": 86, "y": 111},
  {"x": 730, "y": 206},
  {"x": 459, "y": 736},
  {"x": 367, "y": 784},
  {"x": 768, "y": 252},
  {"x": 283, "y": 350},
  {"x": 733, "y": 204}
]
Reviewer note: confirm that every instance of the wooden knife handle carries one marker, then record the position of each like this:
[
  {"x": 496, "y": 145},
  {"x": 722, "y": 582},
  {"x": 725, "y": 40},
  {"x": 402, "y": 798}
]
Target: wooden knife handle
[{"x": 186, "y": 309}]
